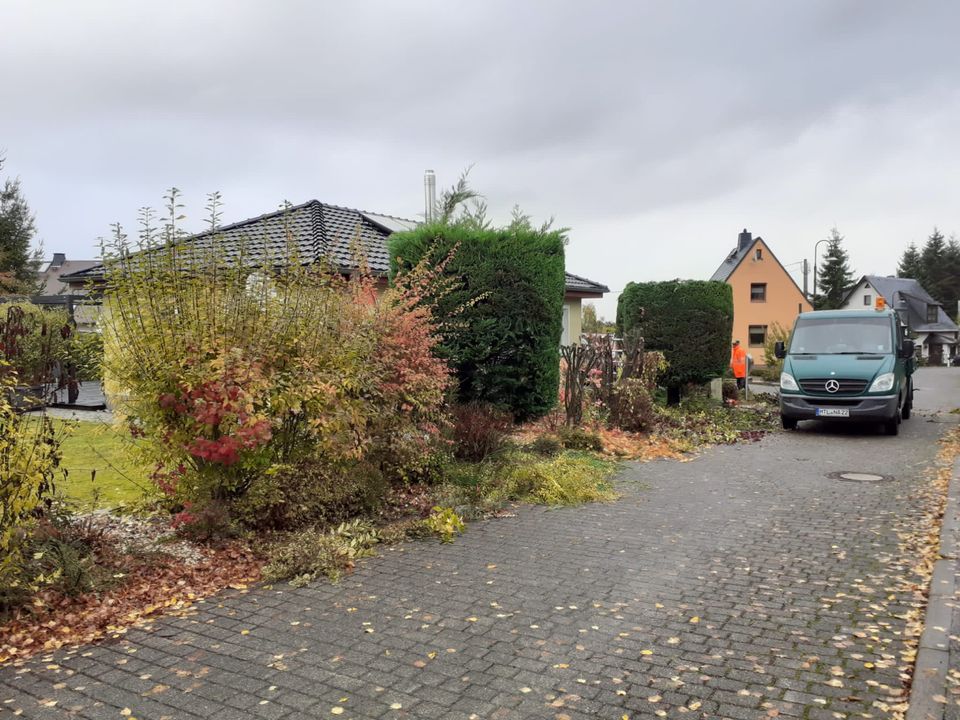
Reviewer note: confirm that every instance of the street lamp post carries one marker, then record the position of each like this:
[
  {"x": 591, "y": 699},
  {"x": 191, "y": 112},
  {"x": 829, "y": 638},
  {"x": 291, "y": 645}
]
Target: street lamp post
[{"x": 816, "y": 245}]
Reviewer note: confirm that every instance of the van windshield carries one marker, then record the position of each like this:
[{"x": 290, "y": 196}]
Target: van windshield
[{"x": 842, "y": 336}]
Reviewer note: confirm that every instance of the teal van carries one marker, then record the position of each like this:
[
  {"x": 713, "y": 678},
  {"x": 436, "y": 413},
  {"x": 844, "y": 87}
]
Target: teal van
[{"x": 847, "y": 365}]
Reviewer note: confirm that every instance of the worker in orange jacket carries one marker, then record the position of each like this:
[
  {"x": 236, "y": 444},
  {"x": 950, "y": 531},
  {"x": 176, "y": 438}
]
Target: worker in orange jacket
[{"x": 738, "y": 363}]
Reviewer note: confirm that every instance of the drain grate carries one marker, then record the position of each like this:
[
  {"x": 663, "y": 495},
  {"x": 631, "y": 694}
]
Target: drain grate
[{"x": 858, "y": 477}]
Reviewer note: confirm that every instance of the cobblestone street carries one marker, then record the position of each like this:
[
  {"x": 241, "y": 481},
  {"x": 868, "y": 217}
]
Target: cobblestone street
[{"x": 743, "y": 584}]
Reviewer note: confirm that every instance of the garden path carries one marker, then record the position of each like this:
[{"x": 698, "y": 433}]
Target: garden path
[{"x": 746, "y": 583}]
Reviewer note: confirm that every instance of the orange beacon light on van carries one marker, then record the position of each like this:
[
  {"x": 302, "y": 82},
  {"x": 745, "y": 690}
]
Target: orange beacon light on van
[{"x": 881, "y": 303}]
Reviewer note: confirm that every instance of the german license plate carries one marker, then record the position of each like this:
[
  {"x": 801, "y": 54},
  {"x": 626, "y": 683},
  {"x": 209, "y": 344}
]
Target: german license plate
[{"x": 833, "y": 412}]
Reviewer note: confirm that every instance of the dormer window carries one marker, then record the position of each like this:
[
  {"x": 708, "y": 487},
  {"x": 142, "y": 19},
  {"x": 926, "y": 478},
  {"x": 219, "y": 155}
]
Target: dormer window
[
  {"x": 932, "y": 313},
  {"x": 758, "y": 254}
]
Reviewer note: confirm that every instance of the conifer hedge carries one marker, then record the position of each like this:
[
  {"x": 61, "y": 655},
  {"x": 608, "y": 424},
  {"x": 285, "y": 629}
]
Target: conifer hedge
[
  {"x": 503, "y": 337},
  {"x": 689, "y": 321}
]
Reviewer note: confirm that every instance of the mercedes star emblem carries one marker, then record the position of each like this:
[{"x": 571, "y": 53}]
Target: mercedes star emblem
[{"x": 831, "y": 385}]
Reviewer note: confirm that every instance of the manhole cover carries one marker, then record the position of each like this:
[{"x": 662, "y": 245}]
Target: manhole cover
[{"x": 858, "y": 477}]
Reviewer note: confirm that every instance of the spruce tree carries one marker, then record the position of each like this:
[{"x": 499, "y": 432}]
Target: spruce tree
[
  {"x": 910, "y": 265},
  {"x": 932, "y": 261},
  {"x": 951, "y": 287},
  {"x": 18, "y": 264},
  {"x": 834, "y": 278}
]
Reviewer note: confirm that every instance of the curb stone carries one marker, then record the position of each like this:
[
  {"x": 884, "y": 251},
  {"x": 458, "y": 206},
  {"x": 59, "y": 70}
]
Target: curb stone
[{"x": 933, "y": 656}]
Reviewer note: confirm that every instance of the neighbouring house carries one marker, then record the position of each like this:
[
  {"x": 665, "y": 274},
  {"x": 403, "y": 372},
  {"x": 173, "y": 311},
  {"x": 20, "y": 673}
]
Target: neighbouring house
[
  {"x": 318, "y": 232},
  {"x": 56, "y": 293},
  {"x": 58, "y": 267},
  {"x": 764, "y": 293},
  {"x": 936, "y": 335}
]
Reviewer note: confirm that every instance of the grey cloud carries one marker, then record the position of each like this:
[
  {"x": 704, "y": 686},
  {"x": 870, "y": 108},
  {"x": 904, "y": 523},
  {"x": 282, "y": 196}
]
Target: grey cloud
[{"x": 600, "y": 112}]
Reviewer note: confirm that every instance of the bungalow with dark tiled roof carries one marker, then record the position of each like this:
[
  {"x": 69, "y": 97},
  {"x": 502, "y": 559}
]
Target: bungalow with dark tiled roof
[
  {"x": 318, "y": 232},
  {"x": 937, "y": 336}
]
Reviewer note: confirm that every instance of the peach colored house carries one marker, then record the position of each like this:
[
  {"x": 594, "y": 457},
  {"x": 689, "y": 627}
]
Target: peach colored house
[{"x": 763, "y": 293}]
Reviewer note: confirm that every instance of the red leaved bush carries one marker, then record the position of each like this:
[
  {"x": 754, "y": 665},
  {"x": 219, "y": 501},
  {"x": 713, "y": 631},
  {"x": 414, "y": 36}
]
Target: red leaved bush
[
  {"x": 235, "y": 377},
  {"x": 412, "y": 381}
]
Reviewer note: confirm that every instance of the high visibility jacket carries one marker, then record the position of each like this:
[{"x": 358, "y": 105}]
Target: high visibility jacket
[{"x": 738, "y": 362}]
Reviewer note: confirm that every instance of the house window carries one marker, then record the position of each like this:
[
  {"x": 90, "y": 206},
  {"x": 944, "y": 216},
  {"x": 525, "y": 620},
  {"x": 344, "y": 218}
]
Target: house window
[
  {"x": 758, "y": 292},
  {"x": 868, "y": 300},
  {"x": 758, "y": 254},
  {"x": 757, "y": 335},
  {"x": 932, "y": 313}
]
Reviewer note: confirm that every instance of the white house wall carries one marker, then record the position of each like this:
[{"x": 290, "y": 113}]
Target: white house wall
[{"x": 863, "y": 292}]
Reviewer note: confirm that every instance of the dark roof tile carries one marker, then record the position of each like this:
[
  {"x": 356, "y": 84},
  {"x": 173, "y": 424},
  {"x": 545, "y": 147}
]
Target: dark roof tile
[{"x": 315, "y": 231}]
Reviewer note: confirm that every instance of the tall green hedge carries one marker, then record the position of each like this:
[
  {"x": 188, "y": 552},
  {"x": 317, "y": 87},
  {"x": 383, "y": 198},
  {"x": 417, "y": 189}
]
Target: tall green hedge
[
  {"x": 690, "y": 321},
  {"x": 507, "y": 310}
]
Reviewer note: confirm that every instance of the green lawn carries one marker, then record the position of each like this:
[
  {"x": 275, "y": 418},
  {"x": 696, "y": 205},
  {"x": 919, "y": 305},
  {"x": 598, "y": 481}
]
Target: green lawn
[{"x": 119, "y": 479}]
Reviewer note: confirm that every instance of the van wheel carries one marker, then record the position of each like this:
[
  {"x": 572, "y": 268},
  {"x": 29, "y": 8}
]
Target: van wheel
[
  {"x": 908, "y": 403},
  {"x": 892, "y": 426},
  {"x": 788, "y": 423}
]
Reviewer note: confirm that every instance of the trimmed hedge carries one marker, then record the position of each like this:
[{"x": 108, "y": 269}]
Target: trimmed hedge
[
  {"x": 689, "y": 321},
  {"x": 504, "y": 338}
]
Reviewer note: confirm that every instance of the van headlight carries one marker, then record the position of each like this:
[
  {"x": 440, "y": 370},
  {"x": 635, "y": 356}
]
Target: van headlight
[
  {"x": 788, "y": 383},
  {"x": 883, "y": 383}
]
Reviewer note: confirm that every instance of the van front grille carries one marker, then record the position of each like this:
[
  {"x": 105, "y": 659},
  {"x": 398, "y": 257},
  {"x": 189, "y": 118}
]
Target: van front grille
[{"x": 818, "y": 386}]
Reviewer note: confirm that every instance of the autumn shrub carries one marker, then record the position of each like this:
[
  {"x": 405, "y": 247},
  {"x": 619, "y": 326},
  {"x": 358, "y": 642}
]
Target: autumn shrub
[
  {"x": 309, "y": 554},
  {"x": 573, "y": 438},
  {"x": 479, "y": 430},
  {"x": 545, "y": 445},
  {"x": 86, "y": 351},
  {"x": 570, "y": 478},
  {"x": 29, "y": 448},
  {"x": 29, "y": 461},
  {"x": 312, "y": 492},
  {"x": 34, "y": 339},
  {"x": 50, "y": 354},
  {"x": 618, "y": 384},
  {"x": 635, "y": 409},
  {"x": 210, "y": 521},
  {"x": 235, "y": 374},
  {"x": 444, "y": 523},
  {"x": 60, "y": 559}
]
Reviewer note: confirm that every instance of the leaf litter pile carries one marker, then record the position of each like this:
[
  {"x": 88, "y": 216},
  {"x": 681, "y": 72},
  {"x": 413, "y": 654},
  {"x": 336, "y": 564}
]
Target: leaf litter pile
[{"x": 144, "y": 589}]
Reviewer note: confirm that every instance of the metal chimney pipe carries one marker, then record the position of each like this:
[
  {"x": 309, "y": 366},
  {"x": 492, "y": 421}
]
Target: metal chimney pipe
[{"x": 429, "y": 195}]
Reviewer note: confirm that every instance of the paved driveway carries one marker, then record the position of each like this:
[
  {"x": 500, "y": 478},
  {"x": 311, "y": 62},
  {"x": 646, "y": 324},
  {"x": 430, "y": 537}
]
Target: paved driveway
[{"x": 742, "y": 584}]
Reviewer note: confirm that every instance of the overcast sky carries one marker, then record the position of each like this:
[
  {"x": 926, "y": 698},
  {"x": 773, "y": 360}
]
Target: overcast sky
[{"x": 655, "y": 131}]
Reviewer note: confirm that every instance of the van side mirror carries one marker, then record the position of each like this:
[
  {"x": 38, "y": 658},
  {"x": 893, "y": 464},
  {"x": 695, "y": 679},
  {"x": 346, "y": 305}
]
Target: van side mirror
[
  {"x": 907, "y": 349},
  {"x": 780, "y": 350}
]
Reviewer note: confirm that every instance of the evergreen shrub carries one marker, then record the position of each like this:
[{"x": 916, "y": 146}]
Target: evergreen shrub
[
  {"x": 689, "y": 321},
  {"x": 503, "y": 340}
]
